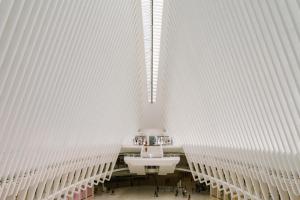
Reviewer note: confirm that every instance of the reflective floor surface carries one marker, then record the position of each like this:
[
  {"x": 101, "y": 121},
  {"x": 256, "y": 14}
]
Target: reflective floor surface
[{"x": 147, "y": 193}]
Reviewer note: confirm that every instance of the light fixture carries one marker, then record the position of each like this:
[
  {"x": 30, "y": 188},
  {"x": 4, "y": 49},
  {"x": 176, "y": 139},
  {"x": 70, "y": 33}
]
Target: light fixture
[{"x": 152, "y": 19}]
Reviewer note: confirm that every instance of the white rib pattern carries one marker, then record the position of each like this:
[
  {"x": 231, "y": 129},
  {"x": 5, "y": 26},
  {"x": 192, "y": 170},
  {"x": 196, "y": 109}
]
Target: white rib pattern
[
  {"x": 69, "y": 92},
  {"x": 73, "y": 86},
  {"x": 231, "y": 84}
]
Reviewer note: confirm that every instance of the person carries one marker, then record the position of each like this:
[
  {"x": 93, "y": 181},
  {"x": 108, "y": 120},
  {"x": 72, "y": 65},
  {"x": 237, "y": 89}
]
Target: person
[
  {"x": 176, "y": 192},
  {"x": 112, "y": 191},
  {"x": 189, "y": 198},
  {"x": 155, "y": 193},
  {"x": 184, "y": 192},
  {"x": 146, "y": 146}
]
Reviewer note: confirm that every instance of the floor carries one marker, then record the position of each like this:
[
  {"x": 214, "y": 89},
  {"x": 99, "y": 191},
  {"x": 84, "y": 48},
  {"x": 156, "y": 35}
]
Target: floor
[{"x": 146, "y": 193}]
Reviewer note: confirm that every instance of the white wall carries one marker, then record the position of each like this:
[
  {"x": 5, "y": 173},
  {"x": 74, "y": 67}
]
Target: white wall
[
  {"x": 232, "y": 82},
  {"x": 70, "y": 75}
]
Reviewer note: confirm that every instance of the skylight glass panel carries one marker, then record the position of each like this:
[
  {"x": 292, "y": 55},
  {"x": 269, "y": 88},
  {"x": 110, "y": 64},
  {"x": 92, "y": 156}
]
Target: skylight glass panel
[{"x": 152, "y": 20}]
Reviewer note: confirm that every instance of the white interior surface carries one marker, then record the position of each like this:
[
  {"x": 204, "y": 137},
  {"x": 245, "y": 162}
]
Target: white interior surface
[
  {"x": 73, "y": 88},
  {"x": 137, "y": 164}
]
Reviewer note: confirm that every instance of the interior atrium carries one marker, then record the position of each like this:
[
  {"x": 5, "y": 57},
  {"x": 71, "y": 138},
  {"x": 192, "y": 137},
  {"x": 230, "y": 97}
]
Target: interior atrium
[{"x": 149, "y": 99}]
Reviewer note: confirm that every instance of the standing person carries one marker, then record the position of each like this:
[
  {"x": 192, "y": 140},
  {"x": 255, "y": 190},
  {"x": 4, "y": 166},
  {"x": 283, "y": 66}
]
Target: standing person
[
  {"x": 184, "y": 192},
  {"x": 176, "y": 192},
  {"x": 189, "y": 198},
  {"x": 146, "y": 144},
  {"x": 179, "y": 183}
]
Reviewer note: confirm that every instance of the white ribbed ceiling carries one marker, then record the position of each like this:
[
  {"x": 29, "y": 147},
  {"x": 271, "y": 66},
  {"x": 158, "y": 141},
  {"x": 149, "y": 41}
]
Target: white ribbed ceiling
[
  {"x": 231, "y": 84},
  {"x": 73, "y": 86}
]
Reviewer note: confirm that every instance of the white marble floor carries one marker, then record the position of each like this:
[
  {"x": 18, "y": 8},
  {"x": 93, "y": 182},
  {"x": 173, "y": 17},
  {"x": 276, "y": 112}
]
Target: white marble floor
[{"x": 146, "y": 193}]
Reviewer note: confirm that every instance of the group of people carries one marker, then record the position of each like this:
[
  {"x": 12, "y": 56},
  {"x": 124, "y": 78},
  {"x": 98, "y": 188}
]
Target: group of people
[
  {"x": 139, "y": 140},
  {"x": 184, "y": 192},
  {"x": 158, "y": 140},
  {"x": 164, "y": 140}
]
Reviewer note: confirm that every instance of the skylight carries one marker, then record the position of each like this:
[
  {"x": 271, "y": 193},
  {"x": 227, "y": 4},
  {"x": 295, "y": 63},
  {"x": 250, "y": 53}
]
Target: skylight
[{"x": 152, "y": 19}]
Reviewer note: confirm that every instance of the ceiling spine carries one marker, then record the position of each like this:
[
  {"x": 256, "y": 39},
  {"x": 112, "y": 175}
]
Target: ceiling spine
[{"x": 152, "y": 11}]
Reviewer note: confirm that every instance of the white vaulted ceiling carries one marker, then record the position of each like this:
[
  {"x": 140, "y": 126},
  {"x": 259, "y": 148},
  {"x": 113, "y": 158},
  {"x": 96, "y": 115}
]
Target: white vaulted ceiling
[
  {"x": 73, "y": 86},
  {"x": 231, "y": 84},
  {"x": 233, "y": 70}
]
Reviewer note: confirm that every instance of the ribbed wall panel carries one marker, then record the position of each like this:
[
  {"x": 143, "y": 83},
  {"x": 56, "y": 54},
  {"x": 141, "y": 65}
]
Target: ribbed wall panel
[
  {"x": 70, "y": 78},
  {"x": 231, "y": 88}
]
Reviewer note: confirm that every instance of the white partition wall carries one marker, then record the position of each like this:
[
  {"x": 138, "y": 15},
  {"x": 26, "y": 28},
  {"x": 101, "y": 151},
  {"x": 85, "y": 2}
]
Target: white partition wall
[
  {"x": 69, "y": 92},
  {"x": 231, "y": 85}
]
